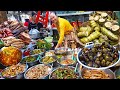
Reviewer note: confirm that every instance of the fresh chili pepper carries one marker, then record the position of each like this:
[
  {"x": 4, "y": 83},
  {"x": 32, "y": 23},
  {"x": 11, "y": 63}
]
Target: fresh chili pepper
[{"x": 26, "y": 53}]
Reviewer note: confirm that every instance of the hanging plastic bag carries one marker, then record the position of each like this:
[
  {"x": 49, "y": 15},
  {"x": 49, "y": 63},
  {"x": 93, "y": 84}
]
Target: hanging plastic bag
[{"x": 34, "y": 33}]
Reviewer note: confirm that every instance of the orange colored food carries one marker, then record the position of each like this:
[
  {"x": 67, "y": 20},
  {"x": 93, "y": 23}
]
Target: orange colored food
[
  {"x": 10, "y": 56},
  {"x": 67, "y": 62},
  {"x": 95, "y": 74}
]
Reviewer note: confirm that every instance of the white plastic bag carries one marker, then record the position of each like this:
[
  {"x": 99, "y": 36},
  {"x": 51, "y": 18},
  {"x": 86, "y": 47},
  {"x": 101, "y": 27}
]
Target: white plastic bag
[{"x": 34, "y": 33}]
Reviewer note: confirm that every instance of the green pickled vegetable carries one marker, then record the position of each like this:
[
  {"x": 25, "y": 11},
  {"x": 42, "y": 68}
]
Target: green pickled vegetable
[
  {"x": 29, "y": 59},
  {"x": 64, "y": 73},
  {"x": 48, "y": 59},
  {"x": 37, "y": 51}
]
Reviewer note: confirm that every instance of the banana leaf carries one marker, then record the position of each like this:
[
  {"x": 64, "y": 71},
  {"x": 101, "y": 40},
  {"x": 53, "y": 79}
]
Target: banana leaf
[
  {"x": 85, "y": 31},
  {"x": 109, "y": 34},
  {"x": 97, "y": 28},
  {"x": 81, "y": 34},
  {"x": 93, "y": 36},
  {"x": 93, "y": 24},
  {"x": 82, "y": 29},
  {"x": 84, "y": 40}
]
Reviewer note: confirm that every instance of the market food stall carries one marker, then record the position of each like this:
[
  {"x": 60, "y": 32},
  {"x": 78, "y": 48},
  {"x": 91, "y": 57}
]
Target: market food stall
[{"x": 24, "y": 57}]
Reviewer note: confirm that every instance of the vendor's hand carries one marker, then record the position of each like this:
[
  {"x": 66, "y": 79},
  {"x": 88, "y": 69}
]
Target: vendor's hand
[{"x": 57, "y": 46}]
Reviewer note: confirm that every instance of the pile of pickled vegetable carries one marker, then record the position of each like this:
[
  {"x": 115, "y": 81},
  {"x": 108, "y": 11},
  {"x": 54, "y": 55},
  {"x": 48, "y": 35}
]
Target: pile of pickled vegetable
[
  {"x": 101, "y": 55},
  {"x": 37, "y": 51},
  {"x": 64, "y": 73},
  {"x": 48, "y": 59},
  {"x": 29, "y": 59}
]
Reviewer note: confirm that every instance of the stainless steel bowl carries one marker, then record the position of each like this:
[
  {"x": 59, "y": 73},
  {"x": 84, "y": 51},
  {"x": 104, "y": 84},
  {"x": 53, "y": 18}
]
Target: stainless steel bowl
[
  {"x": 18, "y": 76},
  {"x": 45, "y": 77},
  {"x": 50, "y": 51},
  {"x": 71, "y": 67},
  {"x": 39, "y": 53},
  {"x": 31, "y": 63},
  {"x": 61, "y": 53},
  {"x": 107, "y": 71},
  {"x": 53, "y": 64},
  {"x": 65, "y": 58}
]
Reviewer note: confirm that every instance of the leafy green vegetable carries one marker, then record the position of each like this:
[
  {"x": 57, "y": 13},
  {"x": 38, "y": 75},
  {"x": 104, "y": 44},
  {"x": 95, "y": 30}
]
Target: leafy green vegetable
[
  {"x": 42, "y": 44},
  {"x": 29, "y": 59}
]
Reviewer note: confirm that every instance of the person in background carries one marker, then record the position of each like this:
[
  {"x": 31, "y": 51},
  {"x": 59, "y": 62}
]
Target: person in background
[
  {"x": 65, "y": 29},
  {"x": 27, "y": 21},
  {"x": 32, "y": 24}
]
